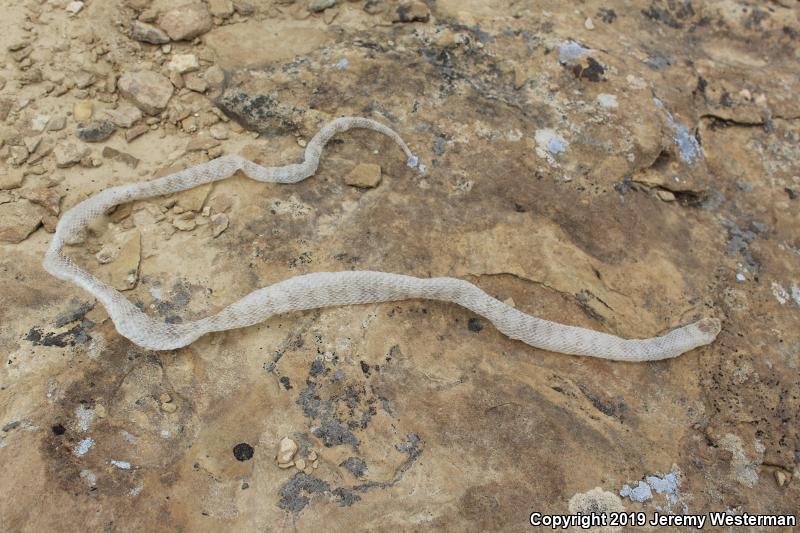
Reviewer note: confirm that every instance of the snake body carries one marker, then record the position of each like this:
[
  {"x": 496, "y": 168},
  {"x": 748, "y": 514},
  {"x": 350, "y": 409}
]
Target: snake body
[{"x": 325, "y": 289}]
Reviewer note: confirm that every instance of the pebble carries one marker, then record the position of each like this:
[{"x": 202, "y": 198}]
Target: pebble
[
  {"x": 82, "y": 110},
  {"x": 124, "y": 116},
  {"x": 666, "y": 196},
  {"x": 18, "y": 220},
  {"x": 74, "y": 7},
  {"x": 219, "y": 132},
  {"x": 147, "y": 33},
  {"x": 366, "y": 175},
  {"x": 300, "y": 464},
  {"x": 286, "y": 450},
  {"x": 219, "y": 223},
  {"x": 39, "y": 123},
  {"x": 185, "y": 22},
  {"x": 11, "y": 178},
  {"x": 136, "y": 132},
  {"x": 243, "y": 451},
  {"x": 169, "y": 407},
  {"x": 194, "y": 82},
  {"x": 95, "y": 131},
  {"x": 113, "y": 153},
  {"x": 69, "y": 153},
  {"x": 781, "y": 478},
  {"x": 57, "y": 123},
  {"x": 220, "y": 8},
  {"x": 148, "y": 90},
  {"x": 588, "y": 24},
  {"x": 183, "y": 63},
  {"x": 185, "y": 221},
  {"x": 415, "y": 11},
  {"x": 45, "y": 197},
  {"x": 317, "y": 6}
]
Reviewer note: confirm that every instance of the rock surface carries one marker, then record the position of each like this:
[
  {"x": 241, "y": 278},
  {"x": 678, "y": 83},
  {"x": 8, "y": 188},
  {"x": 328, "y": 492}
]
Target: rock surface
[
  {"x": 148, "y": 90},
  {"x": 629, "y": 175}
]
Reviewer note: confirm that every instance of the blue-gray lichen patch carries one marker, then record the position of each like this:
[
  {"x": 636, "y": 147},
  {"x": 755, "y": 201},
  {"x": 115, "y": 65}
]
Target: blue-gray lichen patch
[{"x": 687, "y": 144}]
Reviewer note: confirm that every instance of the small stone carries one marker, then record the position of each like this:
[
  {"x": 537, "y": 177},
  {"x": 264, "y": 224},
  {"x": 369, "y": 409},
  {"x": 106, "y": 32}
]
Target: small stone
[
  {"x": 286, "y": 450},
  {"x": 415, "y": 11},
  {"x": 148, "y": 90},
  {"x": 194, "y": 82},
  {"x": 45, "y": 197},
  {"x": 100, "y": 410},
  {"x": 219, "y": 132},
  {"x": 57, "y": 123},
  {"x": 781, "y": 478},
  {"x": 588, "y": 24},
  {"x": 147, "y": 33},
  {"x": 124, "y": 116},
  {"x": 300, "y": 464},
  {"x": 194, "y": 198},
  {"x": 95, "y": 131},
  {"x": 185, "y": 222},
  {"x": 315, "y": 464},
  {"x": 202, "y": 141},
  {"x": 317, "y": 6},
  {"x": 113, "y": 153},
  {"x": 215, "y": 76},
  {"x": 11, "y": 178},
  {"x": 69, "y": 153},
  {"x": 82, "y": 110},
  {"x": 243, "y": 451},
  {"x": 106, "y": 254},
  {"x": 39, "y": 123},
  {"x": 74, "y": 7},
  {"x": 169, "y": 407},
  {"x": 510, "y": 302},
  {"x": 312, "y": 455},
  {"x": 136, "y": 132},
  {"x": 665, "y": 195},
  {"x": 18, "y": 220},
  {"x": 185, "y": 22},
  {"x": 165, "y": 397},
  {"x": 183, "y": 63},
  {"x": 220, "y": 8},
  {"x": 219, "y": 223},
  {"x": 243, "y": 7},
  {"x": 365, "y": 175}
]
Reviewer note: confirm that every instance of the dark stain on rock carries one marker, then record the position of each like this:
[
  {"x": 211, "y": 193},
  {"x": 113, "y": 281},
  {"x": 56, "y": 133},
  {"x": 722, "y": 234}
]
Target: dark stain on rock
[
  {"x": 243, "y": 451},
  {"x": 58, "y": 429},
  {"x": 295, "y": 492},
  {"x": 262, "y": 113},
  {"x": 354, "y": 465},
  {"x": 474, "y": 325},
  {"x": 74, "y": 315},
  {"x": 71, "y": 337},
  {"x": 287, "y": 384},
  {"x": 592, "y": 71}
]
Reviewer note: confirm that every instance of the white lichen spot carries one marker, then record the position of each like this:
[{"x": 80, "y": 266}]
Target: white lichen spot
[
  {"x": 640, "y": 493},
  {"x": 569, "y": 51},
  {"x": 795, "y": 290},
  {"x": 609, "y": 101},
  {"x": 342, "y": 64},
  {"x": 292, "y": 207},
  {"x": 129, "y": 437},
  {"x": 740, "y": 277},
  {"x": 124, "y": 465},
  {"x": 514, "y": 135},
  {"x": 84, "y": 446},
  {"x": 780, "y": 293},
  {"x": 667, "y": 485},
  {"x": 596, "y": 500},
  {"x": 85, "y": 417},
  {"x": 745, "y": 471},
  {"x": 89, "y": 477},
  {"x": 549, "y": 144},
  {"x": 135, "y": 491},
  {"x": 165, "y": 434},
  {"x": 687, "y": 144}
]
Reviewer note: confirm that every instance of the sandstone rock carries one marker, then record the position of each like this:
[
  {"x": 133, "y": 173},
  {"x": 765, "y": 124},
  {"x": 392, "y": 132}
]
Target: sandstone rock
[
  {"x": 57, "y": 123},
  {"x": 220, "y": 8},
  {"x": 219, "y": 132},
  {"x": 124, "y": 116},
  {"x": 316, "y": 6},
  {"x": 183, "y": 63},
  {"x": 219, "y": 223},
  {"x": 122, "y": 272},
  {"x": 82, "y": 110},
  {"x": 243, "y": 7},
  {"x": 46, "y": 197},
  {"x": 286, "y": 450},
  {"x": 147, "y": 33},
  {"x": 69, "y": 153},
  {"x": 195, "y": 82},
  {"x": 95, "y": 131},
  {"x": 365, "y": 175},
  {"x": 148, "y": 90},
  {"x": 39, "y": 123},
  {"x": 193, "y": 199},
  {"x": 113, "y": 153},
  {"x": 11, "y": 178},
  {"x": 186, "y": 22},
  {"x": 136, "y": 132},
  {"x": 185, "y": 221},
  {"x": 18, "y": 220}
]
